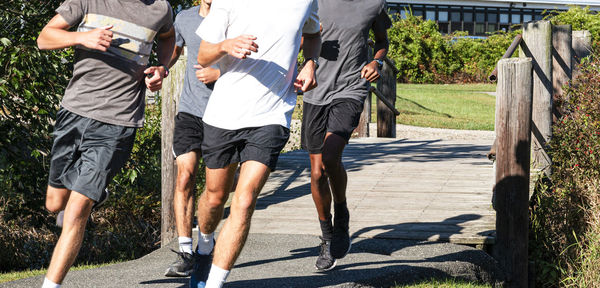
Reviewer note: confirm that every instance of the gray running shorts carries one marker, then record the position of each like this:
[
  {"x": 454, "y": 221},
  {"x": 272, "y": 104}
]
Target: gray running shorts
[{"x": 86, "y": 154}]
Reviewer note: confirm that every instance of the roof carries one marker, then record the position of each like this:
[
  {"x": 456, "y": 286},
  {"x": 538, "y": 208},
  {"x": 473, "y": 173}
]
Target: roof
[{"x": 520, "y": 3}]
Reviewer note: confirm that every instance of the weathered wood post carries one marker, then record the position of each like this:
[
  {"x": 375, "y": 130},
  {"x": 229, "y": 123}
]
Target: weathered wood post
[
  {"x": 362, "y": 130},
  {"x": 386, "y": 118},
  {"x": 172, "y": 87},
  {"x": 511, "y": 192},
  {"x": 537, "y": 37},
  {"x": 562, "y": 68},
  {"x": 582, "y": 47}
]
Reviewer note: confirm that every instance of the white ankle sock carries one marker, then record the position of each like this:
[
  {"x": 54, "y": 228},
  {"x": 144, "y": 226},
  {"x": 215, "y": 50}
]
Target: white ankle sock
[
  {"x": 49, "y": 284},
  {"x": 205, "y": 243},
  {"x": 185, "y": 244},
  {"x": 216, "y": 277},
  {"x": 59, "y": 218}
]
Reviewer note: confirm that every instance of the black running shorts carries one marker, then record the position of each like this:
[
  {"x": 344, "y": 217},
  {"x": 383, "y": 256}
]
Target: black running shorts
[
  {"x": 339, "y": 117},
  {"x": 86, "y": 154},
  {"x": 263, "y": 144},
  {"x": 188, "y": 134}
]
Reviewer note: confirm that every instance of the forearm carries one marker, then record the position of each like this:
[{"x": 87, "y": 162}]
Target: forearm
[
  {"x": 209, "y": 53},
  {"x": 55, "y": 38},
  {"x": 381, "y": 50},
  {"x": 176, "y": 53},
  {"x": 165, "y": 47},
  {"x": 312, "y": 46}
]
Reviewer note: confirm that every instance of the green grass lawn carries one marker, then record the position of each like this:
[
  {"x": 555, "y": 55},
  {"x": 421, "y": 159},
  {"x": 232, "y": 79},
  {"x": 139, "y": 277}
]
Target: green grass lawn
[
  {"x": 444, "y": 284},
  {"x": 453, "y": 106},
  {"x": 457, "y": 106},
  {"x": 12, "y": 276}
]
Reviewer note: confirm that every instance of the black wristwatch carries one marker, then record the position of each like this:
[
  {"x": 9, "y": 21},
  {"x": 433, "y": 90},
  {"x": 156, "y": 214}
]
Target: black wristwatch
[
  {"x": 379, "y": 63},
  {"x": 166, "y": 69},
  {"x": 316, "y": 60}
]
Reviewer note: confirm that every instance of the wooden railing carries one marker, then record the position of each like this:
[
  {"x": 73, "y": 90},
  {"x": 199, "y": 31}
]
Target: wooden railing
[{"x": 524, "y": 117}]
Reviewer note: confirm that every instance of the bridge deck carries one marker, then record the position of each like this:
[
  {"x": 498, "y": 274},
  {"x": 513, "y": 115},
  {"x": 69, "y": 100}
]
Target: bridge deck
[{"x": 435, "y": 189}]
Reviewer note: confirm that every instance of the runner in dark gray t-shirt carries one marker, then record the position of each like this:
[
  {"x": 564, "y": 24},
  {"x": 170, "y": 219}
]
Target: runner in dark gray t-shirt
[
  {"x": 188, "y": 134},
  {"x": 332, "y": 109},
  {"x": 102, "y": 106}
]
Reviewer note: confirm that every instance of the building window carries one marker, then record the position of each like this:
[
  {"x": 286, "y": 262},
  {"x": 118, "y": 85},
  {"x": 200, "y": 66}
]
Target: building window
[
  {"x": 504, "y": 18},
  {"x": 430, "y": 15},
  {"x": 455, "y": 16},
  {"x": 527, "y": 18},
  {"x": 516, "y": 19},
  {"x": 468, "y": 17},
  {"x": 443, "y": 16},
  {"x": 492, "y": 17},
  {"x": 479, "y": 29},
  {"x": 479, "y": 17},
  {"x": 491, "y": 27}
]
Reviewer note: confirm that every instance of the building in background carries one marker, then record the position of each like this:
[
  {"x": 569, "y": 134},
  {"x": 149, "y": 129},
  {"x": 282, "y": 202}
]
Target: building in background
[{"x": 481, "y": 16}]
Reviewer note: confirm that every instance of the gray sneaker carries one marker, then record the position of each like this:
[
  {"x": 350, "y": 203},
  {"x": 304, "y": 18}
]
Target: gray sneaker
[
  {"x": 325, "y": 261},
  {"x": 182, "y": 267}
]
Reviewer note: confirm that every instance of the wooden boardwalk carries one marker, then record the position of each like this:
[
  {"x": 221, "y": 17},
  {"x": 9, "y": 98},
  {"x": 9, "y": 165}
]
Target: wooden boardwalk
[{"x": 435, "y": 190}]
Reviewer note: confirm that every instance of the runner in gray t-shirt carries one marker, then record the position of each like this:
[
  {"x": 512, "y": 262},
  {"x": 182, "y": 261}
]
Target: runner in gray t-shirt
[
  {"x": 332, "y": 110},
  {"x": 102, "y": 106},
  {"x": 188, "y": 134}
]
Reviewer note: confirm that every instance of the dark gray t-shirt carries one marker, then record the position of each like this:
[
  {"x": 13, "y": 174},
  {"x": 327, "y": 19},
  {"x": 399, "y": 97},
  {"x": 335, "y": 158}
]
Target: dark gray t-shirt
[
  {"x": 346, "y": 25},
  {"x": 109, "y": 86},
  {"x": 195, "y": 94}
]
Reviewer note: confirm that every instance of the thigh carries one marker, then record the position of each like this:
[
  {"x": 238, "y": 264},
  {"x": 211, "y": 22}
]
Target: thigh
[
  {"x": 264, "y": 144},
  {"x": 65, "y": 147},
  {"x": 188, "y": 134},
  {"x": 343, "y": 117},
  {"x": 220, "y": 181},
  {"x": 314, "y": 126}
]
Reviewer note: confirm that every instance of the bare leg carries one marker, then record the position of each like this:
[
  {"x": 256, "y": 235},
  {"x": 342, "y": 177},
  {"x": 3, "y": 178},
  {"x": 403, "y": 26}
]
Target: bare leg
[
  {"x": 77, "y": 211},
  {"x": 56, "y": 198},
  {"x": 232, "y": 237},
  {"x": 319, "y": 187},
  {"x": 332, "y": 160},
  {"x": 183, "y": 200},
  {"x": 212, "y": 201}
]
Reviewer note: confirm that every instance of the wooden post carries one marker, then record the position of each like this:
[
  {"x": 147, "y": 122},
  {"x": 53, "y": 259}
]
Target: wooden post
[
  {"x": 386, "y": 119},
  {"x": 582, "y": 47},
  {"x": 362, "y": 130},
  {"x": 561, "y": 58},
  {"x": 172, "y": 87},
  {"x": 537, "y": 37},
  {"x": 511, "y": 192}
]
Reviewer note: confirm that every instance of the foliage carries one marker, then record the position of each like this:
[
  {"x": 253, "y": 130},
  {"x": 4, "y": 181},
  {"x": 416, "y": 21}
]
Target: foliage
[
  {"x": 580, "y": 18},
  {"x": 565, "y": 212},
  {"x": 32, "y": 83}
]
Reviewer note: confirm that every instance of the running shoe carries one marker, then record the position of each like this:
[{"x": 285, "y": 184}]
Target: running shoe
[
  {"x": 341, "y": 242},
  {"x": 325, "y": 261},
  {"x": 182, "y": 267}
]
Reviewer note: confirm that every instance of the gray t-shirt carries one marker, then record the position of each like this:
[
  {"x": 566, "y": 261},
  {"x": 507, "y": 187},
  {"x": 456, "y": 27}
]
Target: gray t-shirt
[
  {"x": 195, "y": 94},
  {"x": 346, "y": 25},
  {"x": 109, "y": 86}
]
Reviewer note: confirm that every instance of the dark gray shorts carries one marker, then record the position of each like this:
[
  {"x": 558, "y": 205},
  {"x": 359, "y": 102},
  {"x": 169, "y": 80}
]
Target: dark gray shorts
[
  {"x": 188, "y": 134},
  {"x": 339, "y": 117},
  {"x": 86, "y": 153},
  {"x": 222, "y": 147}
]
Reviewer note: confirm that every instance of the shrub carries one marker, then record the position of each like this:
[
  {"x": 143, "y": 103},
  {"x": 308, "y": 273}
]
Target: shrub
[
  {"x": 580, "y": 18},
  {"x": 566, "y": 210}
]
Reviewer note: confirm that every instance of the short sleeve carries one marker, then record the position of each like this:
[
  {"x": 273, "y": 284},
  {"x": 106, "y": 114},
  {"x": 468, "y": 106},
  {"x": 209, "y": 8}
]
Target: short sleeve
[
  {"x": 168, "y": 20},
  {"x": 213, "y": 28},
  {"x": 72, "y": 11},
  {"x": 382, "y": 21},
  {"x": 179, "y": 41},
  {"x": 312, "y": 24}
]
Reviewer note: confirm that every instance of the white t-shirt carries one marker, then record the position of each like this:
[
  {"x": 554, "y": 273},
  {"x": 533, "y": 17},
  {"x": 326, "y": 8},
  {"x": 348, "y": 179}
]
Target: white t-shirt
[{"x": 257, "y": 91}]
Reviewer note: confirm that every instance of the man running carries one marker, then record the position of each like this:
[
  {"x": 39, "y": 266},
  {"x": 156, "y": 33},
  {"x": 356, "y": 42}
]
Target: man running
[
  {"x": 332, "y": 111},
  {"x": 248, "y": 115},
  {"x": 187, "y": 139},
  {"x": 102, "y": 107}
]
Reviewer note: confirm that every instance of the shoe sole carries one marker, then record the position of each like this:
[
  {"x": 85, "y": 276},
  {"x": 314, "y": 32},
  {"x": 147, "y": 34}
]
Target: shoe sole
[
  {"x": 327, "y": 269},
  {"x": 347, "y": 251},
  {"x": 170, "y": 273}
]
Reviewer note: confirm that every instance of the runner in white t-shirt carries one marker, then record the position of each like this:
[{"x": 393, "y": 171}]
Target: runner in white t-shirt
[{"x": 248, "y": 115}]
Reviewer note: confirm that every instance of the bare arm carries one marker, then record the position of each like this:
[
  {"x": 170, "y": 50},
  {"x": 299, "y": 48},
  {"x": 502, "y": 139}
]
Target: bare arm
[
  {"x": 307, "y": 79},
  {"x": 239, "y": 47},
  {"x": 176, "y": 53},
  {"x": 371, "y": 70},
  {"x": 55, "y": 35},
  {"x": 166, "y": 43}
]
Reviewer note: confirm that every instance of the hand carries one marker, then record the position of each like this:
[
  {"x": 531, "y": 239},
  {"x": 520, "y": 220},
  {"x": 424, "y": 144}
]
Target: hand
[
  {"x": 370, "y": 72},
  {"x": 98, "y": 39},
  {"x": 155, "y": 79},
  {"x": 207, "y": 75},
  {"x": 306, "y": 80},
  {"x": 241, "y": 46}
]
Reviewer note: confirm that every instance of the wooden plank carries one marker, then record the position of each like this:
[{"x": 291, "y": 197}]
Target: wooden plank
[
  {"x": 513, "y": 133},
  {"x": 170, "y": 92},
  {"x": 562, "y": 68},
  {"x": 386, "y": 118}
]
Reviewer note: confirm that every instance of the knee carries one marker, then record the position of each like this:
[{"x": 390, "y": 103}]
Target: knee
[
  {"x": 54, "y": 203},
  {"x": 318, "y": 174},
  {"x": 215, "y": 198},
  {"x": 331, "y": 162},
  {"x": 244, "y": 204},
  {"x": 185, "y": 181}
]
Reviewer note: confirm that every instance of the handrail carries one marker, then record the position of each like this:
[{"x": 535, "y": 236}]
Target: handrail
[
  {"x": 384, "y": 100},
  {"x": 509, "y": 52}
]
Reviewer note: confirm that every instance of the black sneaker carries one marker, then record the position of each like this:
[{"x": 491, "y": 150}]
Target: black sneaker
[
  {"x": 325, "y": 261},
  {"x": 341, "y": 242},
  {"x": 202, "y": 264},
  {"x": 102, "y": 200},
  {"x": 182, "y": 267}
]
